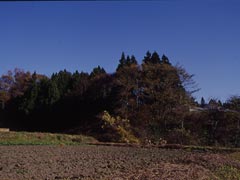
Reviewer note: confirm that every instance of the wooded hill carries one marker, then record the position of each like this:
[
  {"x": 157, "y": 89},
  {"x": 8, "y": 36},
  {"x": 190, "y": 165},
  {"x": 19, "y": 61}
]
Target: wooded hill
[{"x": 151, "y": 100}]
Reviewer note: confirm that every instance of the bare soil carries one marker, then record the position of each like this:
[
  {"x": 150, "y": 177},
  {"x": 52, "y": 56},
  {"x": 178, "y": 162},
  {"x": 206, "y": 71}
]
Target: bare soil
[{"x": 107, "y": 162}]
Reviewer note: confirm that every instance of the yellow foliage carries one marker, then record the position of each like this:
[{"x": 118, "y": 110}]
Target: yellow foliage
[
  {"x": 127, "y": 136},
  {"x": 108, "y": 120},
  {"x": 120, "y": 126}
]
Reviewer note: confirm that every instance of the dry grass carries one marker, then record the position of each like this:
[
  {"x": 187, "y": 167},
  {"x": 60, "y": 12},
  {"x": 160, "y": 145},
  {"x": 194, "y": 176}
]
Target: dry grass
[{"x": 38, "y": 138}]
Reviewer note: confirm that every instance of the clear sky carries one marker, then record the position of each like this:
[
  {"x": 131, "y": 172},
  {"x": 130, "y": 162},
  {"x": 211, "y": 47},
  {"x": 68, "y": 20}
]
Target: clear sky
[{"x": 201, "y": 35}]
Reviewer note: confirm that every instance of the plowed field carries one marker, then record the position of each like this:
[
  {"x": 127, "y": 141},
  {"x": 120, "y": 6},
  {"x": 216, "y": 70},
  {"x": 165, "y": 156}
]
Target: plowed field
[{"x": 106, "y": 162}]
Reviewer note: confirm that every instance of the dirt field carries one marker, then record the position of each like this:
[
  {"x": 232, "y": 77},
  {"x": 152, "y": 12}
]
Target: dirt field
[{"x": 104, "y": 162}]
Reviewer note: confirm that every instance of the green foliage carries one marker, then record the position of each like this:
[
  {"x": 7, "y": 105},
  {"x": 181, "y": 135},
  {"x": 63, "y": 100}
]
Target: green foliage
[
  {"x": 62, "y": 81},
  {"x": 29, "y": 99},
  {"x": 149, "y": 100},
  {"x": 79, "y": 84},
  {"x": 37, "y": 138}
]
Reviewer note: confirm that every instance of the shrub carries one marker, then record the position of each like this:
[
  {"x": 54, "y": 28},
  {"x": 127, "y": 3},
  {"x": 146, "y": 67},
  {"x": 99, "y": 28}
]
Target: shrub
[
  {"x": 181, "y": 136},
  {"x": 117, "y": 129}
]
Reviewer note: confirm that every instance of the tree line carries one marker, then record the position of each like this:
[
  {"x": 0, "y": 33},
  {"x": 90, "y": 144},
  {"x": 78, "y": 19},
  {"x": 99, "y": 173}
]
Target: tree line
[{"x": 151, "y": 100}]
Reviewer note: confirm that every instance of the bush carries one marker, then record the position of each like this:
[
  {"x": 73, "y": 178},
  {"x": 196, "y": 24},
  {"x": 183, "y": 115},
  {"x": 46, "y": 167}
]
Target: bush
[
  {"x": 117, "y": 129},
  {"x": 181, "y": 136}
]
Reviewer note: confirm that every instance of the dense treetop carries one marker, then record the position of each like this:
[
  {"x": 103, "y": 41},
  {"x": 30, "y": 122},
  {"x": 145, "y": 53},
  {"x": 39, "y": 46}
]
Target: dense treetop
[{"x": 149, "y": 100}]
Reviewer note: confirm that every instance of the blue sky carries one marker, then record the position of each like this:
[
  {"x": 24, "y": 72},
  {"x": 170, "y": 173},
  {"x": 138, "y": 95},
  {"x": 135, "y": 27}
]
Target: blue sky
[{"x": 203, "y": 36}]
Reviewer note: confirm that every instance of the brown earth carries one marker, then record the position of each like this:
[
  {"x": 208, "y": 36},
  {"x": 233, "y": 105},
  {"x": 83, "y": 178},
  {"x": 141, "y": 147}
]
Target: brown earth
[{"x": 107, "y": 162}]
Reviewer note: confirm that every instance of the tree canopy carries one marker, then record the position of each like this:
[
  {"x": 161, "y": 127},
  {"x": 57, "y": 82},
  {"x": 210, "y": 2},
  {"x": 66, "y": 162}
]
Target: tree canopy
[{"x": 151, "y": 99}]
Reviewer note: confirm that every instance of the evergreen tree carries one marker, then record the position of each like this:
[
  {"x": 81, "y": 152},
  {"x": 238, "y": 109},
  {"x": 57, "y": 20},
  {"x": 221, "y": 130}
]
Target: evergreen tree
[
  {"x": 28, "y": 102},
  {"x": 128, "y": 61},
  {"x": 147, "y": 58},
  {"x": 152, "y": 96},
  {"x": 122, "y": 61},
  {"x": 155, "y": 59},
  {"x": 152, "y": 58},
  {"x": 97, "y": 71},
  {"x": 165, "y": 59},
  {"x": 127, "y": 79},
  {"x": 133, "y": 60},
  {"x": 48, "y": 93},
  {"x": 62, "y": 80},
  {"x": 79, "y": 83},
  {"x": 203, "y": 103}
]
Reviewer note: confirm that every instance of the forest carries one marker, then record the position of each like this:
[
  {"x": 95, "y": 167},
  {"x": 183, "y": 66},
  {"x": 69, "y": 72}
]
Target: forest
[{"x": 152, "y": 100}]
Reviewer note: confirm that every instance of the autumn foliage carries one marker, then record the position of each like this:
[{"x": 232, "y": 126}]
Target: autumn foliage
[{"x": 151, "y": 100}]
